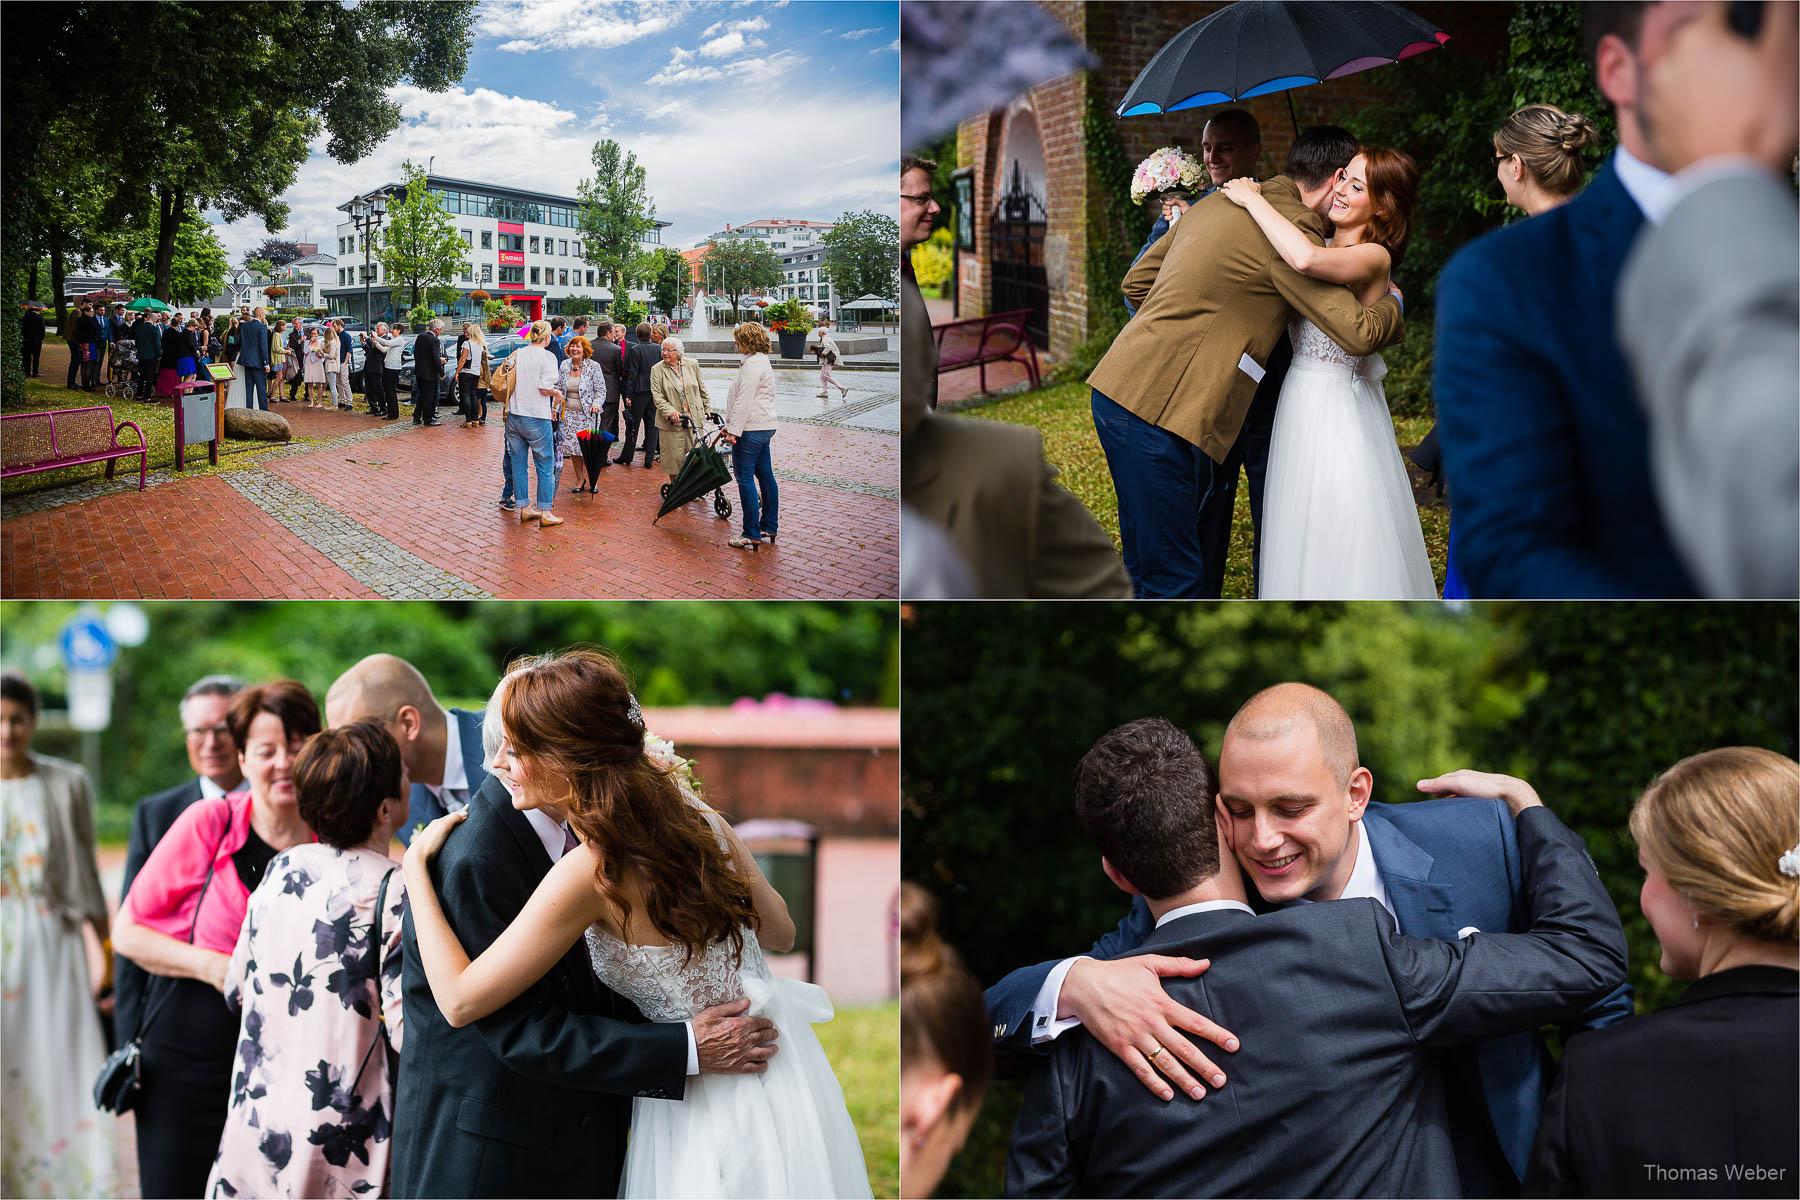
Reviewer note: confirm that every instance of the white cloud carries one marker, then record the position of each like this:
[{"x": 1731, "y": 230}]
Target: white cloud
[
  {"x": 729, "y": 44},
  {"x": 854, "y": 34},
  {"x": 893, "y": 46},
  {"x": 583, "y": 24},
  {"x": 677, "y": 73},
  {"x": 753, "y": 25},
  {"x": 765, "y": 70}
]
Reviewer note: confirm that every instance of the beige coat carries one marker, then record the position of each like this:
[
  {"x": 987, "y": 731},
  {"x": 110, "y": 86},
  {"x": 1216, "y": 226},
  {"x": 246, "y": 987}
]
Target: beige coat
[
  {"x": 71, "y": 875},
  {"x": 1211, "y": 292},
  {"x": 673, "y": 441}
]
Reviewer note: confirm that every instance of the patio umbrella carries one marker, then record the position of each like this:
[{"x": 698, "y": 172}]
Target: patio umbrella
[
  {"x": 150, "y": 304},
  {"x": 701, "y": 471},
  {"x": 1256, "y": 47}
]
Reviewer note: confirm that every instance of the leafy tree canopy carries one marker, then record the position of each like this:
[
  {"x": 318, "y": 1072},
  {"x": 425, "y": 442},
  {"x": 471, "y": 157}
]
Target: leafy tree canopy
[
  {"x": 673, "y": 283},
  {"x": 862, "y": 256},
  {"x": 274, "y": 251},
  {"x": 616, "y": 214},
  {"x": 420, "y": 246},
  {"x": 197, "y": 270},
  {"x": 738, "y": 266}
]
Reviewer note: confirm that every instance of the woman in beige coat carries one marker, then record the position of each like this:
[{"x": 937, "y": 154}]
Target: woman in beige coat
[{"x": 678, "y": 391}]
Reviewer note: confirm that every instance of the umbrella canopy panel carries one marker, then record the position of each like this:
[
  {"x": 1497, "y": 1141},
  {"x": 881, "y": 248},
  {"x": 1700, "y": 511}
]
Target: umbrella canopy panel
[{"x": 1256, "y": 47}]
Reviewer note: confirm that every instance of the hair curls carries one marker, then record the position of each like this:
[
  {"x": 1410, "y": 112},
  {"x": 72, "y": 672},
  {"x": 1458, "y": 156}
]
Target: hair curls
[
  {"x": 1549, "y": 142},
  {"x": 1393, "y": 179},
  {"x": 570, "y": 718}
]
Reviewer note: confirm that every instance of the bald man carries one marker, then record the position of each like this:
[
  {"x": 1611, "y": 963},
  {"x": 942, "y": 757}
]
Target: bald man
[
  {"x": 1294, "y": 802},
  {"x": 441, "y": 748}
]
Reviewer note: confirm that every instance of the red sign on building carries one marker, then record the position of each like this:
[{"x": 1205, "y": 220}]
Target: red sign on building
[{"x": 512, "y": 258}]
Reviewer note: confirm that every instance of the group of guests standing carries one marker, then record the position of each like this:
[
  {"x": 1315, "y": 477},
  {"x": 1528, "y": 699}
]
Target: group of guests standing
[{"x": 159, "y": 341}]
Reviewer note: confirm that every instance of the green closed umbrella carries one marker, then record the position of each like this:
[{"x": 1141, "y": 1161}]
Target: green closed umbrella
[
  {"x": 702, "y": 471},
  {"x": 150, "y": 303}
]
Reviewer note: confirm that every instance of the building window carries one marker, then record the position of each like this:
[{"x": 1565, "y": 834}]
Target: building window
[
  {"x": 468, "y": 273},
  {"x": 487, "y": 239},
  {"x": 534, "y": 245},
  {"x": 590, "y": 281},
  {"x": 487, "y": 272},
  {"x": 824, "y": 291},
  {"x": 512, "y": 274},
  {"x": 534, "y": 270},
  {"x": 468, "y": 238},
  {"x": 565, "y": 247},
  {"x": 577, "y": 249}
]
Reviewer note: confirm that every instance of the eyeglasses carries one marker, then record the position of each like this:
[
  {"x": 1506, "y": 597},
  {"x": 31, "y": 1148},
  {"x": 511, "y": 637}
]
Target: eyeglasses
[
  {"x": 921, "y": 198},
  {"x": 200, "y": 735}
]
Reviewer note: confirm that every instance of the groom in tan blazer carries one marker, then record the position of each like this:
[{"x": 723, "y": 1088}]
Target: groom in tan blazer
[{"x": 1213, "y": 297}]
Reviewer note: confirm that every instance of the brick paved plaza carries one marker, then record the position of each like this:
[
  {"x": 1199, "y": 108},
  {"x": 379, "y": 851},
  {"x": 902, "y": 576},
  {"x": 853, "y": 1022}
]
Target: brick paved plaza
[{"x": 359, "y": 508}]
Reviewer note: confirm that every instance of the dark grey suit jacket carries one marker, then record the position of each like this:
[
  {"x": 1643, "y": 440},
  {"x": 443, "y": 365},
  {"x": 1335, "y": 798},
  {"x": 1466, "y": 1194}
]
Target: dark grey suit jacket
[
  {"x": 149, "y": 821},
  {"x": 532, "y": 1100},
  {"x": 1335, "y": 1091}
]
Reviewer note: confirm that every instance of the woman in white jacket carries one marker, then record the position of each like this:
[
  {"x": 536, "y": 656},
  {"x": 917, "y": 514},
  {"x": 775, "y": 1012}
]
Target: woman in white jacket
[
  {"x": 529, "y": 416},
  {"x": 749, "y": 427}
]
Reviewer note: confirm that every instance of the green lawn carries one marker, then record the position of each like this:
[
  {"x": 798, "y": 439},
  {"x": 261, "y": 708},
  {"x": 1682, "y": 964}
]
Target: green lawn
[
  {"x": 864, "y": 1047},
  {"x": 1062, "y": 414},
  {"x": 157, "y": 422}
]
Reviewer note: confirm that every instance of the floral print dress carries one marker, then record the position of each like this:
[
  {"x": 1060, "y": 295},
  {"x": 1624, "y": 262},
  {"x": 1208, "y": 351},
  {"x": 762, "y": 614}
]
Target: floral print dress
[{"x": 312, "y": 1101}]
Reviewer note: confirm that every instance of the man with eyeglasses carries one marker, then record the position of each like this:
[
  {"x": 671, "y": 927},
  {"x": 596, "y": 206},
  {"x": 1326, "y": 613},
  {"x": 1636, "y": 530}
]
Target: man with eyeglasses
[{"x": 213, "y": 755}]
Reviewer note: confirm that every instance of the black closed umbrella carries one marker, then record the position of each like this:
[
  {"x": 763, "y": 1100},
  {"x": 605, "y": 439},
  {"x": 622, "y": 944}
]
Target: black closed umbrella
[
  {"x": 1256, "y": 47},
  {"x": 595, "y": 445},
  {"x": 702, "y": 471}
]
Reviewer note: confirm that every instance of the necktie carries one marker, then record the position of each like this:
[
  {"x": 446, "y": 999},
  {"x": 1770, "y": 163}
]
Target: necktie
[{"x": 570, "y": 841}]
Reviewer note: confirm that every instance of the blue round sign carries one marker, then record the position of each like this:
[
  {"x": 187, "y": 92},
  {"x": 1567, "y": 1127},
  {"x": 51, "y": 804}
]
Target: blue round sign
[{"x": 85, "y": 644}]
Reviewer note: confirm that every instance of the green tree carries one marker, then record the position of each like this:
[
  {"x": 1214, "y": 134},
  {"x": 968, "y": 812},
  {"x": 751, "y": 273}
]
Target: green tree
[
  {"x": 673, "y": 285},
  {"x": 738, "y": 266},
  {"x": 275, "y": 251},
  {"x": 862, "y": 256},
  {"x": 616, "y": 214},
  {"x": 419, "y": 244},
  {"x": 196, "y": 271}
]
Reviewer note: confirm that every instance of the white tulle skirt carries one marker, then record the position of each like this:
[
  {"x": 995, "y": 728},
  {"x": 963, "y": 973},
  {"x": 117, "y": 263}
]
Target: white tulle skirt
[
  {"x": 783, "y": 1133},
  {"x": 1339, "y": 519}
]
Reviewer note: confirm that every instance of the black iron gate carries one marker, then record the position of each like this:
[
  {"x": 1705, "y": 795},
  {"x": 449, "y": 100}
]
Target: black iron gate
[{"x": 1016, "y": 255}]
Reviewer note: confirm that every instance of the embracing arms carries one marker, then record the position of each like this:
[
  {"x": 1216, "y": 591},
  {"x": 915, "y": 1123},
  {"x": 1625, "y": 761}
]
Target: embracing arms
[{"x": 1355, "y": 266}]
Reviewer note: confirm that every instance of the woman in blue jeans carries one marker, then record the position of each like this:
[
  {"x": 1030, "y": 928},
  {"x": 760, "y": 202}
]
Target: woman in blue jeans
[
  {"x": 750, "y": 427},
  {"x": 528, "y": 422}
]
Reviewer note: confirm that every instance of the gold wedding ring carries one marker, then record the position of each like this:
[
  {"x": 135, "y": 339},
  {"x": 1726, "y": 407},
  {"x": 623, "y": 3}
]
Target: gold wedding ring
[{"x": 1151, "y": 1057}]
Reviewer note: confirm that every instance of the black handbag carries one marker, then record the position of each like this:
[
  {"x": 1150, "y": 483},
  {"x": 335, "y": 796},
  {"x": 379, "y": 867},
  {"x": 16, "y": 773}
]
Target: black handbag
[{"x": 118, "y": 1085}]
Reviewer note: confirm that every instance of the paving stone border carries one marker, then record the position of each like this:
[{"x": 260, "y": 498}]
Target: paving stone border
[
  {"x": 840, "y": 415},
  {"x": 832, "y": 481},
  {"x": 369, "y": 558}
]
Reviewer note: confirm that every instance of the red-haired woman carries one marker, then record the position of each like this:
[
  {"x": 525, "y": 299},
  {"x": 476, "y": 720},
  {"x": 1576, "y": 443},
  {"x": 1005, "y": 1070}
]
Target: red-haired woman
[
  {"x": 1339, "y": 520},
  {"x": 675, "y": 915}
]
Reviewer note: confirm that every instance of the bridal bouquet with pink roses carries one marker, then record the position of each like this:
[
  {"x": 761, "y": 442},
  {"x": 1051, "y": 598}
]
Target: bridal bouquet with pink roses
[{"x": 1168, "y": 170}]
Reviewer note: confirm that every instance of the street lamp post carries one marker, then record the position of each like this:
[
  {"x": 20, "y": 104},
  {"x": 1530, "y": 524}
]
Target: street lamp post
[{"x": 367, "y": 214}]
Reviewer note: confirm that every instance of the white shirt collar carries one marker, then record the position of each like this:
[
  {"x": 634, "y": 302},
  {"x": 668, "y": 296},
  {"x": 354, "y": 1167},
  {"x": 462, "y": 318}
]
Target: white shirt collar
[
  {"x": 550, "y": 831},
  {"x": 1188, "y": 910},
  {"x": 210, "y": 790},
  {"x": 456, "y": 776},
  {"x": 1365, "y": 878},
  {"x": 1654, "y": 192}
]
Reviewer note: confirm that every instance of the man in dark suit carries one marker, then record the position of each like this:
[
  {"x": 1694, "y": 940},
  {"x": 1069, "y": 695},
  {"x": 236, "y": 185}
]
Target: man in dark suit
[
  {"x": 1335, "y": 1090},
  {"x": 557, "y": 339},
  {"x": 148, "y": 338},
  {"x": 441, "y": 748},
  {"x": 31, "y": 338},
  {"x": 428, "y": 374},
  {"x": 1305, "y": 831},
  {"x": 612, "y": 363},
  {"x": 253, "y": 358},
  {"x": 641, "y": 358},
  {"x": 1545, "y": 442},
  {"x": 214, "y": 758},
  {"x": 535, "y": 1099}
]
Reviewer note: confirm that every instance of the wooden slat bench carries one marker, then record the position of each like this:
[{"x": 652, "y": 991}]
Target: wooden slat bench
[
  {"x": 67, "y": 437},
  {"x": 978, "y": 341}
]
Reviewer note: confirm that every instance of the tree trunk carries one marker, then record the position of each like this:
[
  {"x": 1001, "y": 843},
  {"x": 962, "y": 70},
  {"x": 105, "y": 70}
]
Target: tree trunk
[
  {"x": 31, "y": 284},
  {"x": 56, "y": 285},
  {"x": 171, "y": 208}
]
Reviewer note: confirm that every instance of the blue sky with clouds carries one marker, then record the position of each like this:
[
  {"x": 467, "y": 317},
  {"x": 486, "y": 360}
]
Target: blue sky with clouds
[{"x": 738, "y": 112}]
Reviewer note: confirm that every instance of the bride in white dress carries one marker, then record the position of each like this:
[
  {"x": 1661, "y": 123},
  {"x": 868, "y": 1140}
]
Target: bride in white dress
[
  {"x": 1339, "y": 521},
  {"x": 674, "y": 912}
]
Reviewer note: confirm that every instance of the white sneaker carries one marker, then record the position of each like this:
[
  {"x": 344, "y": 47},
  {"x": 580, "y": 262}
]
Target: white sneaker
[{"x": 824, "y": 395}]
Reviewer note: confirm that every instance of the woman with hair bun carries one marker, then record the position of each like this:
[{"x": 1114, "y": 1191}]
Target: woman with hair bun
[
  {"x": 1700, "y": 1097},
  {"x": 675, "y": 915},
  {"x": 1537, "y": 156},
  {"x": 946, "y": 1053}
]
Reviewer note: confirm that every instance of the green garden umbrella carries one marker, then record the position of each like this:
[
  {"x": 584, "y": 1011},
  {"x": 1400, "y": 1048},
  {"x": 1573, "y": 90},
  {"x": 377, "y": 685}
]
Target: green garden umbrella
[{"x": 150, "y": 303}]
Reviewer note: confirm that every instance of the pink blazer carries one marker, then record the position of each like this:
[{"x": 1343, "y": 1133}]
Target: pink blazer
[{"x": 166, "y": 892}]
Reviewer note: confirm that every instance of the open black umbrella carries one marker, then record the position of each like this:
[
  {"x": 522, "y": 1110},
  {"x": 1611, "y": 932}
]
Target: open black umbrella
[
  {"x": 701, "y": 471},
  {"x": 1256, "y": 47}
]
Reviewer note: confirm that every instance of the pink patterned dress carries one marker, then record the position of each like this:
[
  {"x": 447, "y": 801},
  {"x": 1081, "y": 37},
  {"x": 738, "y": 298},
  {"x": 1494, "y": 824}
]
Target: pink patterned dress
[{"x": 312, "y": 1101}]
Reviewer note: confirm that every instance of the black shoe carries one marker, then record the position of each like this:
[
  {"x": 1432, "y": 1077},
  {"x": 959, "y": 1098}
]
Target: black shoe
[
  {"x": 508, "y": 505},
  {"x": 430, "y": 424}
]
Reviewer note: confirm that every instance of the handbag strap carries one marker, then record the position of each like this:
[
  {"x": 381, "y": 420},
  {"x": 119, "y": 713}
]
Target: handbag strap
[
  {"x": 375, "y": 941},
  {"x": 211, "y": 865}
]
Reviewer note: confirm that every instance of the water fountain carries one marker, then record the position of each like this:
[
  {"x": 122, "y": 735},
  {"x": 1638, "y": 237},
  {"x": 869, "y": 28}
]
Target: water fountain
[{"x": 702, "y": 325}]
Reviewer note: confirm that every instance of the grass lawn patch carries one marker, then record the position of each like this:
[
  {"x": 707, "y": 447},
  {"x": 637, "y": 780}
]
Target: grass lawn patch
[
  {"x": 863, "y": 1045},
  {"x": 1062, "y": 413}
]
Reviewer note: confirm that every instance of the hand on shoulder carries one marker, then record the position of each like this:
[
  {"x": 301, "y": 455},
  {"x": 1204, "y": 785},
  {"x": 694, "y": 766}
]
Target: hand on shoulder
[{"x": 1515, "y": 793}]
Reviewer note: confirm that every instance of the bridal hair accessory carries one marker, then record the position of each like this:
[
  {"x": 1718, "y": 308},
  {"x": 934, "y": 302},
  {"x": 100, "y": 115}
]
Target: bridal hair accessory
[
  {"x": 632, "y": 712},
  {"x": 1790, "y": 863}
]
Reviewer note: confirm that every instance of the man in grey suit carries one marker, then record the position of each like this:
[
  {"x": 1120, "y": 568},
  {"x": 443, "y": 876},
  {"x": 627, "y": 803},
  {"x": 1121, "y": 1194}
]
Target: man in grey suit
[
  {"x": 1335, "y": 1090},
  {"x": 441, "y": 748},
  {"x": 253, "y": 357},
  {"x": 1709, "y": 305}
]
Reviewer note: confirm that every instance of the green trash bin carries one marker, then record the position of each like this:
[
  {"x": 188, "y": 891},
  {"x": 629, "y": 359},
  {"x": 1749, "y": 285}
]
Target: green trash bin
[{"x": 787, "y": 853}]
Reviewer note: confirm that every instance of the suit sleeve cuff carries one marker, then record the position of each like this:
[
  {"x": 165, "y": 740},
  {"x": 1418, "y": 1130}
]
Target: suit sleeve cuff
[
  {"x": 1046, "y": 1026},
  {"x": 693, "y": 1055}
]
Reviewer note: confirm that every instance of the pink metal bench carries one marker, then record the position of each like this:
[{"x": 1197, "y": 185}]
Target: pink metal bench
[
  {"x": 67, "y": 437},
  {"x": 997, "y": 337}
]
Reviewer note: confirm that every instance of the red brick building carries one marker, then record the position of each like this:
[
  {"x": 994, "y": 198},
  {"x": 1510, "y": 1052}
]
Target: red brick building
[{"x": 1030, "y": 158}]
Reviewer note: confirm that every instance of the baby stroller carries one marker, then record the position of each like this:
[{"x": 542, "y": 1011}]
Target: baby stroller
[
  {"x": 703, "y": 470},
  {"x": 121, "y": 370}
]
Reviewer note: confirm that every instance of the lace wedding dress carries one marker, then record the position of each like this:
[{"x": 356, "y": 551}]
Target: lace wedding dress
[
  {"x": 1339, "y": 519},
  {"x": 785, "y": 1132}
]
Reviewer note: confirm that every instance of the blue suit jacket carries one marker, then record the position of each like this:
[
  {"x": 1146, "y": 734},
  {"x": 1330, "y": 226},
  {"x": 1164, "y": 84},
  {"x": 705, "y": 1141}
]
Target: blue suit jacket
[
  {"x": 1545, "y": 446},
  {"x": 422, "y": 806},
  {"x": 253, "y": 348},
  {"x": 1447, "y": 865}
]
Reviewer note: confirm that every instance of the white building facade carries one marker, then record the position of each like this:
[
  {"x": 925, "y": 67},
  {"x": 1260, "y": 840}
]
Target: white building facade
[{"x": 524, "y": 247}]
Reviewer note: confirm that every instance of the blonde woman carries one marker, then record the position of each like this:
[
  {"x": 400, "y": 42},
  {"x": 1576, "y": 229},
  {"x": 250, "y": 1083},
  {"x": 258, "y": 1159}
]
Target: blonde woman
[
  {"x": 279, "y": 363},
  {"x": 529, "y": 417},
  {"x": 682, "y": 403},
  {"x": 749, "y": 428},
  {"x": 1538, "y": 156},
  {"x": 1718, "y": 837},
  {"x": 828, "y": 353},
  {"x": 469, "y": 362}
]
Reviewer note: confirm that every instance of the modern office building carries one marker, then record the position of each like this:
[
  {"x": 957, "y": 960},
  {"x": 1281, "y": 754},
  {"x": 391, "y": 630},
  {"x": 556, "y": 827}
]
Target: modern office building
[
  {"x": 524, "y": 247},
  {"x": 780, "y": 233}
]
